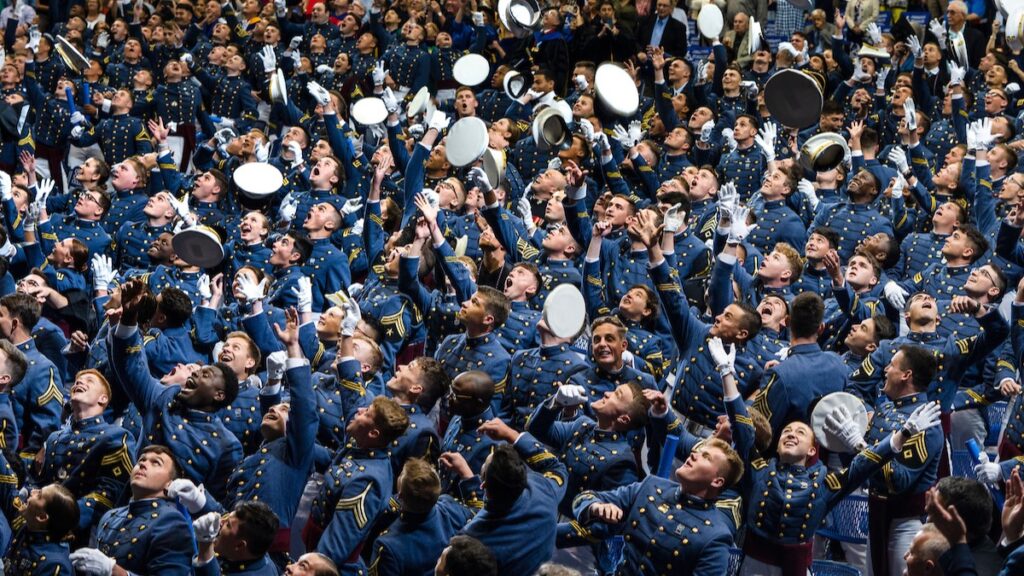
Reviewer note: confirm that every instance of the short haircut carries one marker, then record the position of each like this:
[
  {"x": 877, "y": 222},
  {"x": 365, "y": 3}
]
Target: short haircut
[
  {"x": 390, "y": 419},
  {"x": 377, "y": 357},
  {"x": 869, "y": 138},
  {"x": 805, "y": 315},
  {"x": 302, "y": 245},
  {"x": 734, "y": 469},
  {"x": 620, "y": 328},
  {"x": 972, "y": 501},
  {"x": 176, "y": 469},
  {"x": 751, "y": 319},
  {"x": 99, "y": 376},
  {"x": 921, "y": 363},
  {"x": 884, "y": 329},
  {"x": 638, "y": 407},
  {"x": 230, "y": 383},
  {"x": 420, "y": 487},
  {"x": 830, "y": 235},
  {"x": 977, "y": 239},
  {"x": 467, "y": 556},
  {"x": 16, "y": 364},
  {"x": 434, "y": 380},
  {"x": 175, "y": 305},
  {"x": 495, "y": 303},
  {"x": 793, "y": 258},
  {"x": 831, "y": 107},
  {"x": 793, "y": 174},
  {"x": 534, "y": 271},
  {"x": 24, "y": 308},
  {"x": 140, "y": 171},
  {"x": 257, "y": 525},
  {"x": 254, "y": 350},
  {"x": 62, "y": 512},
  {"x": 505, "y": 475},
  {"x": 220, "y": 179}
]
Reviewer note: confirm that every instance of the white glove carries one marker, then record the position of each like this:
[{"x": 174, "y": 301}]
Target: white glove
[
  {"x": 899, "y": 186},
  {"x": 352, "y": 317},
  {"x": 438, "y": 121},
  {"x": 262, "y": 152},
  {"x": 77, "y": 132},
  {"x": 581, "y": 83},
  {"x": 729, "y": 139},
  {"x": 587, "y": 129},
  {"x": 269, "y": 59},
  {"x": 31, "y": 217},
  {"x": 880, "y": 80},
  {"x": 749, "y": 88},
  {"x": 276, "y": 364},
  {"x": 956, "y": 73},
  {"x": 180, "y": 206},
  {"x": 204, "y": 287},
  {"x": 6, "y": 192},
  {"x": 250, "y": 290},
  {"x": 526, "y": 213},
  {"x": 985, "y": 138},
  {"x": 915, "y": 46},
  {"x": 296, "y": 40},
  {"x": 895, "y": 295},
  {"x": 859, "y": 75},
  {"x": 988, "y": 472},
  {"x": 390, "y": 101},
  {"x": 840, "y": 423},
  {"x": 355, "y": 289},
  {"x": 379, "y": 73},
  {"x": 92, "y": 562},
  {"x": 319, "y": 93},
  {"x": 765, "y": 139},
  {"x": 1012, "y": 88},
  {"x": 207, "y": 527},
  {"x": 478, "y": 19},
  {"x": 939, "y": 31},
  {"x": 103, "y": 40},
  {"x": 622, "y": 137},
  {"x": 702, "y": 72},
  {"x": 324, "y": 69},
  {"x": 102, "y": 271},
  {"x": 296, "y": 150},
  {"x": 555, "y": 163},
  {"x": 738, "y": 227},
  {"x": 569, "y": 395},
  {"x": 417, "y": 130},
  {"x": 479, "y": 178},
  {"x": 874, "y": 34},
  {"x": 34, "y": 36},
  {"x": 296, "y": 57},
  {"x": 303, "y": 290},
  {"x": 289, "y": 207},
  {"x": 44, "y": 188},
  {"x": 636, "y": 132},
  {"x": 186, "y": 58},
  {"x": 725, "y": 360},
  {"x": 728, "y": 197},
  {"x": 924, "y": 417},
  {"x": 280, "y": 8},
  {"x": 77, "y": 118},
  {"x": 674, "y": 219},
  {"x": 192, "y": 496},
  {"x": 351, "y": 206},
  {"x": 899, "y": 159},
  {"x": 806, "y": 189}
]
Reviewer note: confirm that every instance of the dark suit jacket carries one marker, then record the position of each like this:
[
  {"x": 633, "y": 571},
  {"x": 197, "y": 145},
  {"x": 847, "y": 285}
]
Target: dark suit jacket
[{"x": 673, "y": 40}]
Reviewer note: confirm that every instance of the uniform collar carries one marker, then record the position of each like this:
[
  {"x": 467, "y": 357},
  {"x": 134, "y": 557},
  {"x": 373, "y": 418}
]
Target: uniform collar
[
  {"x": 229, "y": 567},
  {"x": 804, "y": 349},
  {"x": 549, "y": 351},
  {"x": 86, "y": 422},
  {"x": 912, "y": 400},
  {"x": 473, "y": 422},
  {"x": 690, "y": 501},
  {"x": 27, "y": 346},
  {"x": 480, "y": 340},
  {"x": 923, "y": 336},
  {"x": 774, "y": 204}
]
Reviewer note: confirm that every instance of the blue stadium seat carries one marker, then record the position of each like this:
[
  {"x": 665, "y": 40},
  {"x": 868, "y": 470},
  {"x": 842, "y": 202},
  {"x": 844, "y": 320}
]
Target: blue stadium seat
[
  {"x": 735, "y": 561},
  {"x": 848, "y": 521},
  {"x": 996, "y": 412},
  {"x": 829, "y": 568}
]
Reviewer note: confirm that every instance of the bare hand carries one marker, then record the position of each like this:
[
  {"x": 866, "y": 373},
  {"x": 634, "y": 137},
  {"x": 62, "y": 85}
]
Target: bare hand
[
  {"x": 496, "y": 429},
  {"x": 946, "y": 519},
  {"x": 657, "y": 399},
  {"x": 607, "y": 513},
  {"x": 1013, "y": 509},
  {"x": 456, "y": 463}
]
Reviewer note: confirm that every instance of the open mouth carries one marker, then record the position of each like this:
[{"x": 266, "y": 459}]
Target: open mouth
[
  {"x": 226, "y": 356},
  {"x": 190, "y": 385},
  {"x": 316, "y": 171},
  {"x": 790, "y": 443},
  {"x": 78, "y": 389}
]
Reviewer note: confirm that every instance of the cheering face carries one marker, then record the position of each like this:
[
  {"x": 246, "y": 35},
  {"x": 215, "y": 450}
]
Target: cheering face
[
  {"x": 703, "y": 468},
  {"x": 773, "y": 311},
  {"x": 922, "y": 309},
  {"x": 607, "y": 346},
  {"x": 236, "y": 354},
  {"x": 614, "y": 403},
  {"x": 634, "y": 302},
  {"x": 796, "y": 442},
  {"x": 275, "y": 421},
  {"x": 203, "y": 388}
]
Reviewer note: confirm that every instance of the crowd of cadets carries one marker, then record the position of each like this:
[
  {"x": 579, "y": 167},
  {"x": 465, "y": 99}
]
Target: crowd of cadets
[{"x": 367, "y": 383}]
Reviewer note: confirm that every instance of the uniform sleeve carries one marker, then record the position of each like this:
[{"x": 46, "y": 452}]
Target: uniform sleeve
[
  {"x": 361, "y": 500},
  {"x": 115, "y": 467},
  {"x": 773, "y": 400},
  {"x": 302, "y": 418},
  {"x": 714, "y": 557},
  {"x": 543, "y": 462},
  {"x": 129, "y": 362},
  {"x": 545, "y": 426},
  {"x": 170, "y": 550},
  {"x": 623, "y": 497},
  {"x": 384, "y": 562}
]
